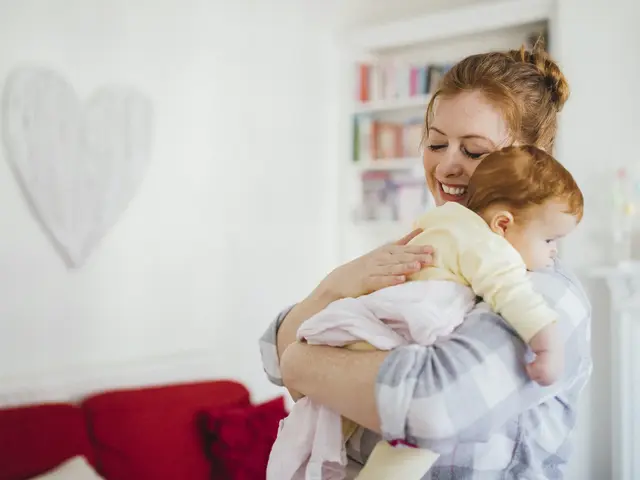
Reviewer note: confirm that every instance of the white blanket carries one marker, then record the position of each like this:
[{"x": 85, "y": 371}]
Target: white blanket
[{"x": 310, "y": 445}]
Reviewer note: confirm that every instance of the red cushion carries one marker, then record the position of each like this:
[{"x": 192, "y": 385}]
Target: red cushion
[
  {"x": 150, "y": 433},
  {"x": 238, "y": 440},
  {"x": 37, "y": 438}
]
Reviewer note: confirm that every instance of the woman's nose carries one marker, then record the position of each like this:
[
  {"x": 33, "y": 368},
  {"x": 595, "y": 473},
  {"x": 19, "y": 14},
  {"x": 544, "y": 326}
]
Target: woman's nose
[{"x": 450, "y": 166}]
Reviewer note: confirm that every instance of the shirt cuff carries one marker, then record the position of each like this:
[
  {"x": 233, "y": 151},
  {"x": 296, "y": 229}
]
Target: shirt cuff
[
  {"x": 269, "y": 349},
  {"x": 392, "y": 397}
]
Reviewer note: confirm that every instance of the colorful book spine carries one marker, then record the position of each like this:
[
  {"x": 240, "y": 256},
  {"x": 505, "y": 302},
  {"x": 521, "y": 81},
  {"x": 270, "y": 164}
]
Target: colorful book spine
[
  {"x": 389, "y": 80},
  {"x": 363, "y": 82},
  {"x": 413, "y": 88}
]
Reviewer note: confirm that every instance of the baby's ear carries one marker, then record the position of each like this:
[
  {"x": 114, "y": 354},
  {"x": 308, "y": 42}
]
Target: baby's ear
[{"x": 500, "y": 221}]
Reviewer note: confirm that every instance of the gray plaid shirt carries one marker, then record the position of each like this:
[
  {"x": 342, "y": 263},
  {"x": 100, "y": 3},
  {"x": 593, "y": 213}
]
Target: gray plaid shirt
[{"x": 468, "y": 398}]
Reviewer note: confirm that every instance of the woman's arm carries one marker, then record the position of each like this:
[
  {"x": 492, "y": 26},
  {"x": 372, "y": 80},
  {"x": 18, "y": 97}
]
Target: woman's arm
[
  {"x": 314, "y": 303},
  {"x": 343, "y": 380},
  {"x": 461, "y": 389},
  {"x": 383, "y": 267}
]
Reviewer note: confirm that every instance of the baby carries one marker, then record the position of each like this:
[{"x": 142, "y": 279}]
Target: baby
[
  {"x": 529, "y": 201},
  {"x": 521, "y": 201}
]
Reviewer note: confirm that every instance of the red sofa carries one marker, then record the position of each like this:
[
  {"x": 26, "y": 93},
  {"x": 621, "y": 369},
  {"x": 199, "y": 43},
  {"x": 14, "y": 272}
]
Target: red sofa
[{"x": 146, "y": 433}]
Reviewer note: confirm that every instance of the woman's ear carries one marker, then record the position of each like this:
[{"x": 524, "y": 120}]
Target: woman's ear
[{"x": 501, "y": 221}]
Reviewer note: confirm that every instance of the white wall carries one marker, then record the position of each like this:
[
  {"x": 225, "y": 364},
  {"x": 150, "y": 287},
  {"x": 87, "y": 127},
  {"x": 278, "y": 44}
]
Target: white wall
[{"x": 235, "y": 217}]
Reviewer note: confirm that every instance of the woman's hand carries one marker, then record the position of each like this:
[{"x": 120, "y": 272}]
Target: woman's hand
[{"x": 383, "y": 267}]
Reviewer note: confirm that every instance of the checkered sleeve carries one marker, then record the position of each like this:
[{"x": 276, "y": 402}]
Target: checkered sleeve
[
  {"x": 269, "y": 349},
  {"x": 469, "y": 384}
]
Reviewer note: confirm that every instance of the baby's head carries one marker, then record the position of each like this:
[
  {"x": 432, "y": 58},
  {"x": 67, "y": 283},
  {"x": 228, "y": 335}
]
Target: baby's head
[{"x": 528, "y": 197}]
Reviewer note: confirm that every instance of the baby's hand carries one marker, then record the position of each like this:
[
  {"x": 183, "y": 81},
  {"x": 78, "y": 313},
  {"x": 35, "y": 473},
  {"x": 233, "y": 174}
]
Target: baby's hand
[{"x": 547, "y": 367}]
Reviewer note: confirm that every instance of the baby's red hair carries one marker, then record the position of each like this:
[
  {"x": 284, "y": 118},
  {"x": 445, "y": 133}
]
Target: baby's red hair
[{"x": 521, "y": 177}]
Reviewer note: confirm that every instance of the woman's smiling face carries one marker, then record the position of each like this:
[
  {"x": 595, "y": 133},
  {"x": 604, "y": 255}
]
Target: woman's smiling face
[{"x": 464, "y": 129}]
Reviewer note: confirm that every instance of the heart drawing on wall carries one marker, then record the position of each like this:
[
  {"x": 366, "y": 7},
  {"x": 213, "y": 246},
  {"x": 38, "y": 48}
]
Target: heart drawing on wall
[{"x": 79, "y": 164}]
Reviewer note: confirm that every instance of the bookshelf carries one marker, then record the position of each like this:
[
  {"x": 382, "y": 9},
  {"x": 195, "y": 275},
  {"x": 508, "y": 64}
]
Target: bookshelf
[{"x": 390, "y": 71}]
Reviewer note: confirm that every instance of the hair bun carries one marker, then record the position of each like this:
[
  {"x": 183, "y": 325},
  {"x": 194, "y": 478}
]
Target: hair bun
[{"x": 555, "y": 81}]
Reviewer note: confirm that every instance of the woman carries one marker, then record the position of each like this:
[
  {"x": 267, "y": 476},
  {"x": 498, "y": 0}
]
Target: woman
[{"x": 466, "y": 397}]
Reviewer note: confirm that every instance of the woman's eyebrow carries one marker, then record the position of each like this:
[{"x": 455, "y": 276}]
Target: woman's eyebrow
[
  {"x": 471, "y": 135},
  {"x": 479, "y": 137}
]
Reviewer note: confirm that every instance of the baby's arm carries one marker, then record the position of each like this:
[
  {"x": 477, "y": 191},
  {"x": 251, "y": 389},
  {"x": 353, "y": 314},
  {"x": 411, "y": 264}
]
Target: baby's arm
[{"x": 497, "y": 273}]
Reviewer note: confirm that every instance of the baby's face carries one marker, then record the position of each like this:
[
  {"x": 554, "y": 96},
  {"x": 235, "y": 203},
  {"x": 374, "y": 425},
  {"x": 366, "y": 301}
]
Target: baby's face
[{"x": 536, "y": 234}]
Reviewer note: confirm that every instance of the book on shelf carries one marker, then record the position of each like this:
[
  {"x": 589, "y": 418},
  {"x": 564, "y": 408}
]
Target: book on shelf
[
  {"x": 387, "y": 140},
  {"x": 383, "y": 140},
  {"x": 393, "y": 196},
  {"x": 413, "y": 132},
  {"x": 393, "y": 80}
]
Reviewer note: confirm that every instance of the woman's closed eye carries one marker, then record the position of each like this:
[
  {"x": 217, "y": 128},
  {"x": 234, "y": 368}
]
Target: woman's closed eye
[
  {"x": 435, "y": 148},
  {"x": 473, "y": 155}
]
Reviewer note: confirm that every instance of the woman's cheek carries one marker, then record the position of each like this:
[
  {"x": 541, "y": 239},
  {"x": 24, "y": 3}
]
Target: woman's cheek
[{"x": 429, "y": 173}]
